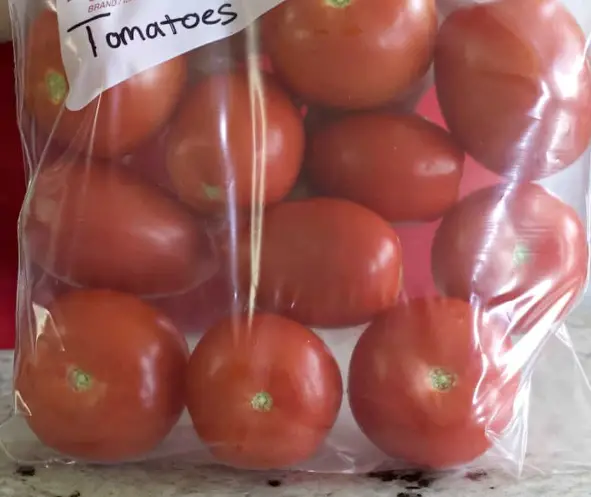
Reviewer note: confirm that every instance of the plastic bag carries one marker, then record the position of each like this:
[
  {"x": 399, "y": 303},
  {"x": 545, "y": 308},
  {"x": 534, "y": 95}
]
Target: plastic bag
[{"x": 345, "y": 235}]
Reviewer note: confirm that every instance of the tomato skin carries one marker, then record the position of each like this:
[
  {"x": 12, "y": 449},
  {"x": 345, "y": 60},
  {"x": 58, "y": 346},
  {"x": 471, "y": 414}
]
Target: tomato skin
[
  {"x": 102, "y": 226},
  {"x": 114, "y": 123},
  {"x": 400, "y": 390},
  {"x": 515, "y": 248},
  {"x": 402, "y": 167},
  {"x": 243, "y": 360},
  {"x": 212, "y": 159},
  {"x": 358, "y": 55},
  {"x": 130, "y": 363},
  {"x": 324, "y": 262},
  {"x": 516, "y": 95}
]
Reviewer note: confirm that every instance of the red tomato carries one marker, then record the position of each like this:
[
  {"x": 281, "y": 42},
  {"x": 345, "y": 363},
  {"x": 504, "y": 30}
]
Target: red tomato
[
  {"x": 118, "y": 120},
  {"x": 402, "y": 167},
  {"x": 350, "y": 54},
  {"x": 475, "y": 176},
  {"x": 515, "y": 248},
  {"x": 263, "y": 392},
  {"x": 514, "y": 85},
  {"x": 237, "y": 142},
  {"x": 323, "y": 262},
  {"x": 102, "y": 226},
  {"x": 428, "y": 387},
  {"x": 105, "y": 379}
]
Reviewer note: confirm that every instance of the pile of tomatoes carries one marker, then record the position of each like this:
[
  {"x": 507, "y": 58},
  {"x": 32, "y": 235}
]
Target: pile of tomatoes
[{"x": 266, "y": 176}]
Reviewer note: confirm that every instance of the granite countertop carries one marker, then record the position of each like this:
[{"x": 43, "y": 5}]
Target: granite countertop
[{"x": 174, "y": 479}]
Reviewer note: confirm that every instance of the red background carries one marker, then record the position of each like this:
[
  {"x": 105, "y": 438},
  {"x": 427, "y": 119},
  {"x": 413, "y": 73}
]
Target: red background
[{"x": 12, "y": 189}]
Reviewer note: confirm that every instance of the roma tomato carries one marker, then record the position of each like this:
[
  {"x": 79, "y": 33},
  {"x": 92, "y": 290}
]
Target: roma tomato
[
  {"x": 235, "y": 143},
  {"x": 263, "y": 392},
  {"x": 475, "y": 176},
  {"x": 117, "y": 121},
  {"x": 517, "y": 249},
  {"x": 402, "y": 167},
  {"x": 323, "y": 262},
  {"x": 349, "y": 53},
  {"x": 102, "y": 226},
  {"x": 429, "y": 382},
  {"x": 105, "y": 378},
  {"x": 515, "y": 86}
]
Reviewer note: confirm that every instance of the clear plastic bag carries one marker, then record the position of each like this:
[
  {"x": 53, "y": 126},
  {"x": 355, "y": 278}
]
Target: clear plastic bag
[{"x": 344, "y": 234}]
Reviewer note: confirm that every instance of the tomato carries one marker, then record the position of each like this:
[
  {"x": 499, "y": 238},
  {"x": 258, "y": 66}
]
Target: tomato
[
  {"x": 263, "y": 392},
  {"x": 516, "y": 94},
  {"x": 113, "y": 124},
  {"x": 236, "y": 142},
  {"x": 350, "y": 53},
  {"x": 475, "y": 176},
  {"x": 105, "y": 379},
  {"x": 402, "y": 167},
  {"x": 517, "y": 249},
  {"x": 322, "y": 262},
  {"x": 102, "y": 226},
  {"x": 427, "y": 386}
]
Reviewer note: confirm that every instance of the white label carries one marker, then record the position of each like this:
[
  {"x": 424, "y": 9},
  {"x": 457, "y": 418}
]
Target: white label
[{"x": 105, "y": 42}]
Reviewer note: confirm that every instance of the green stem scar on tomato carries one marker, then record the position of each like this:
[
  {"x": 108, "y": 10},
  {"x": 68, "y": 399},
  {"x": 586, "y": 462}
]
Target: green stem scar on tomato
[
  {"x": 80, "y": 380},
  {"x": 212, "y": 192},
  {"x": 338, "y": 4},
  {"x": 521, "y": 254},
  {"x": 57, "y": 86},
  {"x": 262, "y": 402},
  {"x": 441, "y": 380}
]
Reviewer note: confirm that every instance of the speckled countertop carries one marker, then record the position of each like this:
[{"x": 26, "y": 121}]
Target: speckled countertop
[
  {"x": 167, "y": 479},
  {"x": 181, "y": 481}
]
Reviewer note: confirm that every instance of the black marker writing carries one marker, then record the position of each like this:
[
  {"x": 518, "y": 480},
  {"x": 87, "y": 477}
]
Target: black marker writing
[
  {"x": 154, "y": 30},
  {"x": 89, "y": 34},
  {"x": 169, "y": 22},
  {"x": 126, "y": 35},
  {"x": 224, "y": 15},
  {"x": 190, "y": 21},
  {"x": 231, "y": 16}
]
